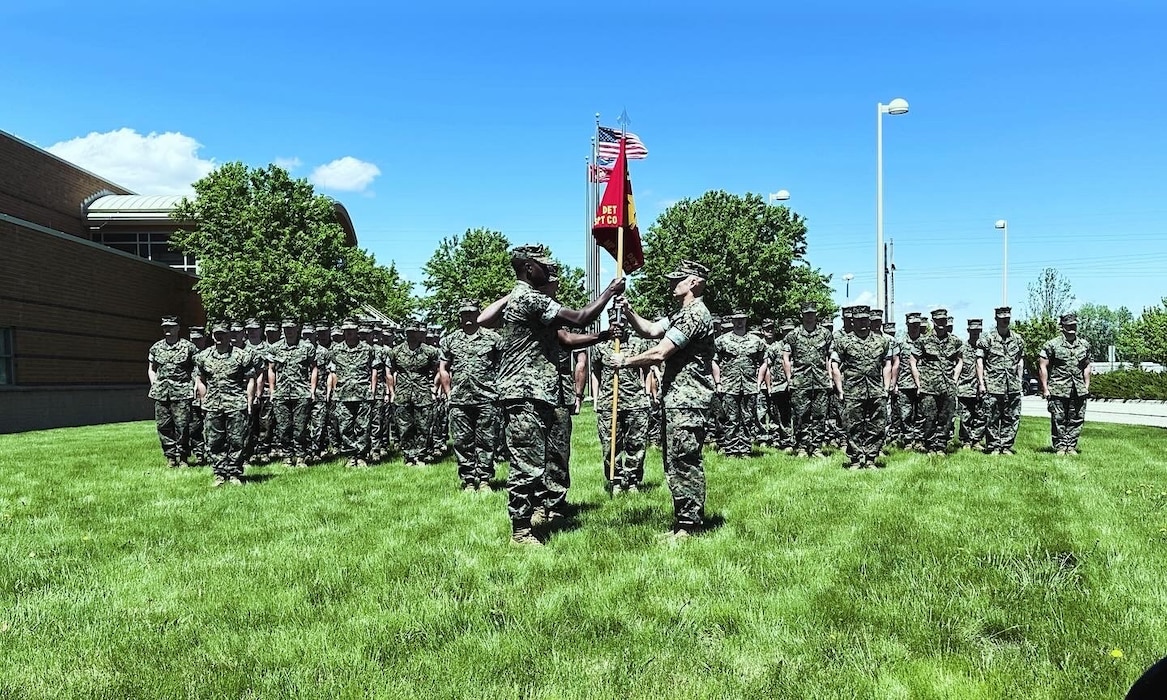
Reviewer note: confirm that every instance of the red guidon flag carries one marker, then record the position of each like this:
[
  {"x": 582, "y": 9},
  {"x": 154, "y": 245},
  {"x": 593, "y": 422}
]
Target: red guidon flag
[{"x": 617, "y": 209}]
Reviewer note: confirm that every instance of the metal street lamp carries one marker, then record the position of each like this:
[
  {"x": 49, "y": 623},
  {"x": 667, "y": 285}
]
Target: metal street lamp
[
  {"x": 847, "y": 278},
  {"x": 1003, "y": 226},
  {"x": 895, "y": 107},
  {"x": 780, "y": 196}
]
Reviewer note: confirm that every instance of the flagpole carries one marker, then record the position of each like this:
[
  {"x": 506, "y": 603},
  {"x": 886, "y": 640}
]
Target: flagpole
[{"x": 616, "y": 371}]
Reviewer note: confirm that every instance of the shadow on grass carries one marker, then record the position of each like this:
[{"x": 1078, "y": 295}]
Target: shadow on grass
[{"x": 257, "y": 478}]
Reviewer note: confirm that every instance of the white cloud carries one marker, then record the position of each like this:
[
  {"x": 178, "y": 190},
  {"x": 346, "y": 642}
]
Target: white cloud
[
  {"x": 346, "y": 174},
  {"x": 154, "y": 163},
  {"x": 864, "y": 298},
  {"x": 288, "y": 164}
]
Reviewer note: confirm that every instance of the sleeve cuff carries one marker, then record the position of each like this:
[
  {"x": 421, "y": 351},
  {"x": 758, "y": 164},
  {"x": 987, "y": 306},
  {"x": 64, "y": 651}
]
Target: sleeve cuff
[{"x": 679, "y": 339}]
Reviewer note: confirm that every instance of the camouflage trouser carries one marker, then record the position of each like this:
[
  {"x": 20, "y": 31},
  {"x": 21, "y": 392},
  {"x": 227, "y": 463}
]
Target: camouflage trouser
[
  {"x": 631, "y": 439},
  {"x": 557, "y": 476},
  {"x": 865, "y": 421},
  {"x": 911, "y": 419},
  {"x": 781, "y": 432},
  {"x": 936, "y": 413},
  {"x": 472, "y": 432},
  {"x": 266, "y": 426},
  {"x": 439, "y": 430},
  {"x": 714, "y": 420},
  {"x": 414, "y": 422},
  {"x": 527, "y": 425},
  {"x": 172, "y": 418},
  {"x": 809, "y": 409},
  {"x": 1067, "y": 414},
  {"x": 761, "y": 425},
  {"x": 352, "y": 419},
  {"x": 291, "y": 426},
  {"x": 834, "y": 430},
  {"x": 1002, "y": 417},
  {"x": 972, "y": 420},
  {"x": 385, "y": 437},
  {"x": 501, "y": 453},
  {"x": 318, "y": 427},
  {"x": 376, "y": 423},
  {"x": 226, "y": 435},
  {"x": 654, "y": 424},
  {"x": 198, "y": 436},
  {"x": 736, "y": 410},
  {"x": 684, "y": 435},
  {"x": 332, "y": 430}
]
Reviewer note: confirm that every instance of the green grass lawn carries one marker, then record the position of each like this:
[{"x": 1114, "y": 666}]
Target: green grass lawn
[{"x": 1007, "y": 577}]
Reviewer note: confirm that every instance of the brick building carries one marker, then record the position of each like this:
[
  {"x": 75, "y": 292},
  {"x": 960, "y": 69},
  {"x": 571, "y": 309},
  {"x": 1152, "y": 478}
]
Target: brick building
[{"x": 85, "y": 276}]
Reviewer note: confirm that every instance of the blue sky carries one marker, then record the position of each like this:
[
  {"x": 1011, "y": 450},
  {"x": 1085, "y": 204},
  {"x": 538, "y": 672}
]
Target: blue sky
[{"x": 449, "y": 115}]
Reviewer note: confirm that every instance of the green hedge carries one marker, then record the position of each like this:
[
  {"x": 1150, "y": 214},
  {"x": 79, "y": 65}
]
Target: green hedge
[{"x": 1129, "y": 384}]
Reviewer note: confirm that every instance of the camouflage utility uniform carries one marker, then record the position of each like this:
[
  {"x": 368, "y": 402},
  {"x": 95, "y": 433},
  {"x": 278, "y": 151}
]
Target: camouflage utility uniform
[
  {"x": 1067, "y": 390},
  {"x": 970, "y": 403},
  {"x": 936, "y": 363},
  {"x": 632, "y": 410},
  {"x": 353, "y": 367},
  {"x": 173, "y": 391},
  {"x": 861, "y": 364},
  {"x": 292, "y": 396},
  {"x": 809, "y": 383},
  {"x": 473, "y": 365},
  {"x": 225, "y": 376},
  {"x": 414, "y": 370},
  {"x": 739, "y": 358},
  {"x": 1001, "y": 357}
]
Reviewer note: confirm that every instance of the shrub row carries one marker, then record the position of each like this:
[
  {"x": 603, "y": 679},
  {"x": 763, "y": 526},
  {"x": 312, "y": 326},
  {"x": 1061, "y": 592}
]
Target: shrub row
[{"x": 1129, "y": 384}]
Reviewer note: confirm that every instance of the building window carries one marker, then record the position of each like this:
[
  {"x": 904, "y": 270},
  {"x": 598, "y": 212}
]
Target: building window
[
  {"x": 6, "y": 374},
  {"x": 150, "y": 245}
]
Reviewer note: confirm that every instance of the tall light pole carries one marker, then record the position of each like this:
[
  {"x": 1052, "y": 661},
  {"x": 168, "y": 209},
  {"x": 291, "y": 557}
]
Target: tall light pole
[
  {"x": 897, "y": 106},
  {"x": 847, "y": 278},
  {"x": 1003, "y": 226}
]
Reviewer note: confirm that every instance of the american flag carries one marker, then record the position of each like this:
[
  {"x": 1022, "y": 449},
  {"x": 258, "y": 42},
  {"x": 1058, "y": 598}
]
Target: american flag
[
  {"x": 608, "y": 145},
  {"x": 601, "y": 170}
]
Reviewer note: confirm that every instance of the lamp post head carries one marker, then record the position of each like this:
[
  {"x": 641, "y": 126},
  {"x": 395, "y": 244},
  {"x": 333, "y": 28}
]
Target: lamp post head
[
  {"x": 780, "y": 196},
  {"x": 1001, "y": 224},
  {"x": 848, "y": 277},
  {"x": 897, "y": 106}
]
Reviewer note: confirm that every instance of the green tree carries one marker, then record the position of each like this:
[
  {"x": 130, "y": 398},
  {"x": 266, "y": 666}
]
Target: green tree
[
  {"x": 1050, "y": 295},
  {"x": 1036, "y": 332},
  {"x": 381, "y": 287},
  {"x": 477, "y": 265},
  {"x": 756, "y": 254},
  {"x": 1145, "y": 339},
  {"x": 1101, "y": 325},
  {"x": 269, "y": 246}
]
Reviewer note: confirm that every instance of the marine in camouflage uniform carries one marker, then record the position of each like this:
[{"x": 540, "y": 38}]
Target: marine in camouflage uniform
[
  {"x": 805, "y": 355},
  {"x": 781, "y": 433},
  {"x": 970, "y": 400},
  {"x": 469, "y": 368},
  {"x": 354, "y": 370},
  {"x": 529, "y": 385},
  {"x": 687, "y": 389},
  {"x": 336, "y": 333},
  {"x": 833, "y": 432},
  {"x": 198, "y": 442},
  {"x": 632, "y": 408},
  {"x": 861, "y": 367},
  {"x": 226, "y": 383},
  {"x": 895, "y": 347},
  {"x": 1000, "y": 362},
  {"x": 171, "y": 364},
  {"x": 715, "y": 419},
  {"x": 907, "y": 394},
  {"x": 1064, "y": 366},
  {"x": 266, "y": 448},
  {"x": 936, "y": 358},
  {"x": 737, "y": 364},
  {"x": 321, "y": 399},
  {"x": 293, "y": 374},
  {"x": 414, "y": 366},
  {"x": 439, "y": 432}
]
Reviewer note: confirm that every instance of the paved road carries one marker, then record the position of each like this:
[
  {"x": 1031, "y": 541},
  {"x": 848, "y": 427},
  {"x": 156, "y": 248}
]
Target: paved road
[{"x": 1152, "y": 413}]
